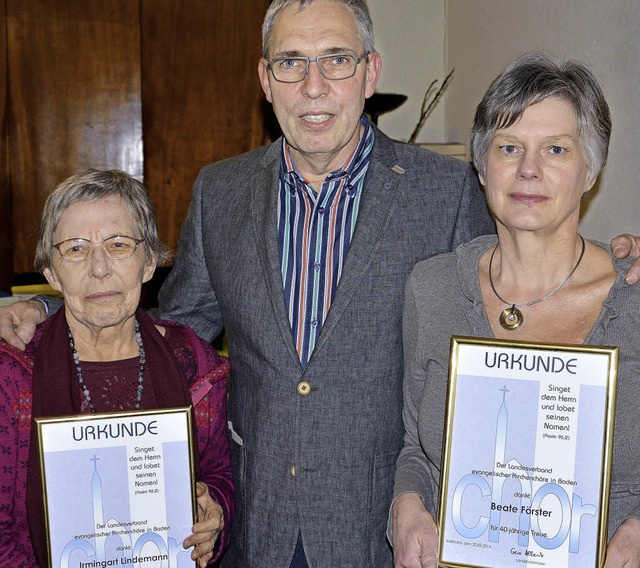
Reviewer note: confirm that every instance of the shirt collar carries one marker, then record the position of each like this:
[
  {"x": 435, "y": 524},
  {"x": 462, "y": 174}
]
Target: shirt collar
[{"x": 362, "y": 153}]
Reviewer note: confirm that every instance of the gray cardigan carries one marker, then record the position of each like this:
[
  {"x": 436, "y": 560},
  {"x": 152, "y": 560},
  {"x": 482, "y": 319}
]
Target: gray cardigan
[
  {"x": 319, "y": 461},
  {"x": 442, "y": 299}
]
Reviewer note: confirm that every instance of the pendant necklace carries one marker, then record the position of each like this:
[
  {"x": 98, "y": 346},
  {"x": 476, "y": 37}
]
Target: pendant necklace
[
  {"x": 83, "y": 386},
  {"x": 512, "y": 318}
]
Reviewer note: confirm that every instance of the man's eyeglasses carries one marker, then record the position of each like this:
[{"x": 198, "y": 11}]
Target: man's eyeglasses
[
  {"x": 335, "y": 67},
  {"x": 117, "y": 248}
]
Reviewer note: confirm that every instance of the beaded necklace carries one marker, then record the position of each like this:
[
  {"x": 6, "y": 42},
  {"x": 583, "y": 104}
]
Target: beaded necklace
[{"x": 83, "y": 386}]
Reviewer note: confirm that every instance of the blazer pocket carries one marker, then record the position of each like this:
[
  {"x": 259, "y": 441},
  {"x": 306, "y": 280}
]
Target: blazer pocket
[
  {"x": 384, "y": 466},
  {"x": 239, "y": 464}
]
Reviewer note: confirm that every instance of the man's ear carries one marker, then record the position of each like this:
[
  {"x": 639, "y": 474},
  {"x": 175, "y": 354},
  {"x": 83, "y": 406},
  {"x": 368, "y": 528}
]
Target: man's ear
[
  {"x": 374, "y": 67},
  {"x": 263, "y": 73}
]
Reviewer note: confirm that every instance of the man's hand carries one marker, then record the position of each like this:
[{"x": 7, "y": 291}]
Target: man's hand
[
  {"x": 628, "y": 245},
  {"x": 623, "y": 550},
  {"x": 18, "y": 322},
  {"x": 415, "y": 536},
  {"x": 206, "y": 530}
]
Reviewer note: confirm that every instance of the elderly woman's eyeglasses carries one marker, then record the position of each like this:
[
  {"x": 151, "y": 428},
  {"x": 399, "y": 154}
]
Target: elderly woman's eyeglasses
[
  {"x": 335, "y": 67},
  {"x": 117, "y": 248}
]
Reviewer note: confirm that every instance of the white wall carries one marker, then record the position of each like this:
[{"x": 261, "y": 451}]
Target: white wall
[
  {"x": 485, "y": 35},
  {"x": 420, "y": 40},
  {"x": 410, "y": 35}
]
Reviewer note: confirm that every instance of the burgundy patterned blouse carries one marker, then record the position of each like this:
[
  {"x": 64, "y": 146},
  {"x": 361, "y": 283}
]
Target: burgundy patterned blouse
[{"x": 206, "y": 373}]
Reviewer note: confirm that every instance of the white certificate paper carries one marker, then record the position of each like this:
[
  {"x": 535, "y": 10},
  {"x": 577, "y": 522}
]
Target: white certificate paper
[
  {"x": 118, "y": 488},
  {"x": 527, "y": 454}
]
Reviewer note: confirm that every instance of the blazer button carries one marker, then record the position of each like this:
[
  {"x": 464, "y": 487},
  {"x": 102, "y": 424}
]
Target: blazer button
[{"x": 304, "y": 388}]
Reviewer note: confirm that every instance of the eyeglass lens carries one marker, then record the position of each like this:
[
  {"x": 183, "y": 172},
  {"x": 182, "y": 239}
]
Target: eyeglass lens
[
  {"x": 333, "y": 67},
  {"x": 117, "y": 248}
]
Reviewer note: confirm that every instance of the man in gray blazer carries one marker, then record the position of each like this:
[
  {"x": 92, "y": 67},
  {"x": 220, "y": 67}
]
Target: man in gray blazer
[
  {"x": 300, "y": 251},
  {"x": 316, "y": 423}
]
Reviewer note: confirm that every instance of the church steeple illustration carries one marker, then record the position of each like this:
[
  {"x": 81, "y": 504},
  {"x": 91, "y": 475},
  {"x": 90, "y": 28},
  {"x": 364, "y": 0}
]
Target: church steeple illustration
[
  {"x": 98, "y": 513},
  {"x": 501, "y": 429}
]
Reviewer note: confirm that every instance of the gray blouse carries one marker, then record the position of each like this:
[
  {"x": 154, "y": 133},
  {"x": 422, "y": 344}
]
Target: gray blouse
[{"x": 442, "y": 299}]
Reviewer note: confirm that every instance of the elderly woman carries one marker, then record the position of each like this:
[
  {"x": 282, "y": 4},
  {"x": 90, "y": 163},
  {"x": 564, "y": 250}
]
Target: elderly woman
[
  {"x": 98, "y": 243},
  {"x": 539, "y": 140}
]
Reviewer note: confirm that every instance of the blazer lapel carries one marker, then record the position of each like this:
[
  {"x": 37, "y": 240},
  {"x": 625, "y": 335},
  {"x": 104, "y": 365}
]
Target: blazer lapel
[
  {"x": 264, "y": 213},
  {"x": 376, "y": 207}
]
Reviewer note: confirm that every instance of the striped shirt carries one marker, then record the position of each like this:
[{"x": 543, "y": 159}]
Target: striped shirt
[{"x": 314, "y": 233}]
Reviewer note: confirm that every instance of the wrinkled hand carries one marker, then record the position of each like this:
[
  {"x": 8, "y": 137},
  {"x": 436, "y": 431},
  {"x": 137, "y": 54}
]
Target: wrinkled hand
[
  {"x": 415, "y": 536},
  {"x": 206, "y": 530},
  {"x": 624, "y": 548},
  {"x": 628, "y": 245},
  {"x": 18, "y": 322}
]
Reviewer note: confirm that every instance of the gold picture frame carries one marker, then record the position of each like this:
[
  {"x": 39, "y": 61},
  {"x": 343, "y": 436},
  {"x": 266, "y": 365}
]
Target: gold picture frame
[
  {"x": 118, "y": 487},
  {"x": 526, "y": 460}
]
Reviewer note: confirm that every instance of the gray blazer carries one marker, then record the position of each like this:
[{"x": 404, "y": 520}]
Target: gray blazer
[{"x": 320, "y": 462}]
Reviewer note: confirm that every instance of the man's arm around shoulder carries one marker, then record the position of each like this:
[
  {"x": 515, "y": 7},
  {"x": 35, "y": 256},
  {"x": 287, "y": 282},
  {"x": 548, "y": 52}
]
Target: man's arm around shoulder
[{"x": 18, "y": 321}]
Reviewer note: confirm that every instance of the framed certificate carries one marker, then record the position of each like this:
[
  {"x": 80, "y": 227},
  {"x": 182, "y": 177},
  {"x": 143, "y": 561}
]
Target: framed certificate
[
  {"x": 526, "y": 457},
  {"x": 118, "y": 488}
]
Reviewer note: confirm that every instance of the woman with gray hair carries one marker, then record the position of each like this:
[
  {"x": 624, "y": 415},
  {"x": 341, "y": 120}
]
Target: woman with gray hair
[
  {"x": 539, "y": 140},
  {"x": 97, "y": 245}
]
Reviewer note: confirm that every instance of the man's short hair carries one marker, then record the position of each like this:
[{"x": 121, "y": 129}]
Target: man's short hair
[{"x": 359, "y": 9}]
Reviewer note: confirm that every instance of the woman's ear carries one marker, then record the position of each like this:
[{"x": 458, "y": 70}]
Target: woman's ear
[
  {"x": 591, "y": 181},
  {"x": 149, "y": 269},
  {"x": 52, "y": 279}
]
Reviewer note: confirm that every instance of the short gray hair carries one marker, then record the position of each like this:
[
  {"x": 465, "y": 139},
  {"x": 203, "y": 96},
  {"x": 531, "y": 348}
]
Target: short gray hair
[
  {"x": 531, "y": 78},
  {"x": 92, "y": 185},
  {"x": 359, "y": 9}
]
